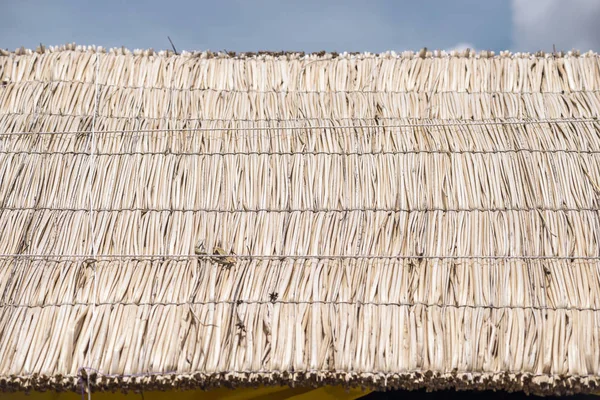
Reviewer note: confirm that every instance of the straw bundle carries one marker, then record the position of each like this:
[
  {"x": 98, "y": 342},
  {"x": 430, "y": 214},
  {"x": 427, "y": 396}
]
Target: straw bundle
[{"x": 394, "y": 220}]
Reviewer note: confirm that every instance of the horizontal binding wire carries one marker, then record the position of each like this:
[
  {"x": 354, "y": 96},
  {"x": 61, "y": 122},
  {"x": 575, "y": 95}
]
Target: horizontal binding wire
[
  {"x": 302, "y": 91},
  {"x": 299, "y": 302},
  {"x": 306, "y": 210},
  {"x": 300, "y": 153},
  {"x": 246, "y": 120},
  {"x": 88, "y": 258},
  {"x": 460, "y": 123}
]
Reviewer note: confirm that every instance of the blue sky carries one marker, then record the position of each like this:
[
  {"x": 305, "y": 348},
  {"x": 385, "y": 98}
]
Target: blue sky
[{"x": 305, "y": 25}]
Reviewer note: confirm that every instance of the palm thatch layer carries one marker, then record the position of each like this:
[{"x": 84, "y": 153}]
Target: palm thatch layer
[{"x": 196, "y": 220}]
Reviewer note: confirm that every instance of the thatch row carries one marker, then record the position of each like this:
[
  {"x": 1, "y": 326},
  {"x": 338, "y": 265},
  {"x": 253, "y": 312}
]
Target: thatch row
[
  {"x": 389, "y": 221},
  {"x": 360, "y": 73},
  {"x": 261, "y": 55},
  {"x": 542, "y": 384}
]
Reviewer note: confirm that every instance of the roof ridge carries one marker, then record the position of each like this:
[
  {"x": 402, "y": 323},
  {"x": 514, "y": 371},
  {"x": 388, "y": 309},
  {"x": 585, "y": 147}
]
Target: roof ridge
[{"x": 408, "y": 54}]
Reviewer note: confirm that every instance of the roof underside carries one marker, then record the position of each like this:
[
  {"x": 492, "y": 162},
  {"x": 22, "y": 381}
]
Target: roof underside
[{"x": 391, "y": 221}]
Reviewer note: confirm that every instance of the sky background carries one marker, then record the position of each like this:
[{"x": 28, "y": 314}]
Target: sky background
[{"x": 305, "y": 25}]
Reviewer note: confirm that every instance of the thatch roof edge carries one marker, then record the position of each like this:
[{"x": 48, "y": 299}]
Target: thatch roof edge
[
  {"x": 291, "y": 55},
  {"x": 537, "y": 384}
]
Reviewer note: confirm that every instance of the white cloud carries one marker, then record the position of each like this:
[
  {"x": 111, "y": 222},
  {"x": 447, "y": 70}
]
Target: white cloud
[
  {"x": 568, "y": 24},
  {"x": 462, "y": 46}
]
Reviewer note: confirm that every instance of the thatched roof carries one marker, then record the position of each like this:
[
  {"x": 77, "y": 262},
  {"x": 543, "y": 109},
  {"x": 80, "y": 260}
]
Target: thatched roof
[{"x": 411, "y": 220}]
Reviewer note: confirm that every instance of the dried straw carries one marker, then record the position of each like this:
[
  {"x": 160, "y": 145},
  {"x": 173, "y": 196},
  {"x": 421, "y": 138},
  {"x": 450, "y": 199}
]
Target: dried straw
[{"x": 411, "y": 220}]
